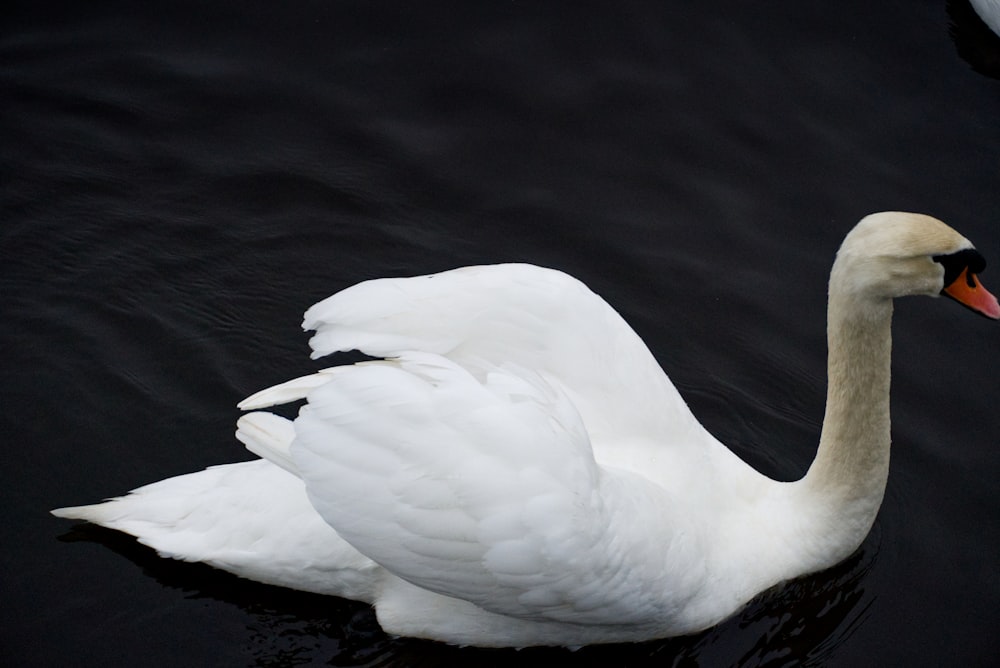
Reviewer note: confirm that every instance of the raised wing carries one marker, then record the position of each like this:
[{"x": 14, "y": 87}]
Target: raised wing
[
  {"x": 487, "y": 490},
  {"x": 535, "y": 318}
]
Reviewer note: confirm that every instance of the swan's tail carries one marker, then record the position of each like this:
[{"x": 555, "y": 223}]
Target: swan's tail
[
  {"x": 250, "y": 518},
  {"x": 162, "y": 514},
  {"x": 104, "y": 513}
]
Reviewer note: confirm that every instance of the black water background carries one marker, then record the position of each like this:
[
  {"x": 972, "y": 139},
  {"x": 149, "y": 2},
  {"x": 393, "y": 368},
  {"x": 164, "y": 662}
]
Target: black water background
[{"x": 180, "y": 183}]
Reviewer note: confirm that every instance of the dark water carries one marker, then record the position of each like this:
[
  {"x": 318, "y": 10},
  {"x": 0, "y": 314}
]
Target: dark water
[{"x": 180, "y": 184}]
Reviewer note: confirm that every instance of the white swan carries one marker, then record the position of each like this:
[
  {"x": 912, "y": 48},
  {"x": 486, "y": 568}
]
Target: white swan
[
  {"x": 989, "y": 12},
  {"x": 519, "y": 471}
]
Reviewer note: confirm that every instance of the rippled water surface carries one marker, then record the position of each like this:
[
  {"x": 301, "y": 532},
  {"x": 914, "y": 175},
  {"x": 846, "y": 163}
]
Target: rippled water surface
[{"x": 179, "y": 184}]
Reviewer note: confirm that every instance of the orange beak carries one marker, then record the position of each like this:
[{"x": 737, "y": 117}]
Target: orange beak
[{"x": 968, "y": 291}]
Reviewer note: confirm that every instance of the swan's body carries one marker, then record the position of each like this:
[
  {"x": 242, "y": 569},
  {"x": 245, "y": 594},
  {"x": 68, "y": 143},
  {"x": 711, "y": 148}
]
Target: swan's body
[
  {"x": 519, "y": 471},
  {"x": 989, "y": 12}
]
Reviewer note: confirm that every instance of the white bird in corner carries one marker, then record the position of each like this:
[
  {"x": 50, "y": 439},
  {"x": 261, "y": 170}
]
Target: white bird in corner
[
  {"x": 517, "y": 470},
  {"x": 989, "y": 12}
]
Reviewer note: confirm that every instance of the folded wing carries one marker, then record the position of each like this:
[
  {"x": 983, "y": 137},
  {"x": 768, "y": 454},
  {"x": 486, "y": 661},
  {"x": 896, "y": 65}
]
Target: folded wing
[{"x": 484, "y": 490}]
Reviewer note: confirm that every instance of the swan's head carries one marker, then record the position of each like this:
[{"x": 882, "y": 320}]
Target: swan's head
[{"x": 895, "y": 254}]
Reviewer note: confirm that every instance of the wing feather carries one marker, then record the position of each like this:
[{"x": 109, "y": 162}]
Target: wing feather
[
  {"x": 485, "y": 490},
  {"x": 535, "y": 318}
]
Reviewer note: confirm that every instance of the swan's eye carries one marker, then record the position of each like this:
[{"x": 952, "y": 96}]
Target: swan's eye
[{"x": 955, "y": 262}]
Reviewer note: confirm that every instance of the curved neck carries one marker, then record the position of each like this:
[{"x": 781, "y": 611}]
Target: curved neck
[
  {"x": 796, "y": 528},
  {"x": 854, "y": 445},
  {"x": 845, "y": 483}
]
